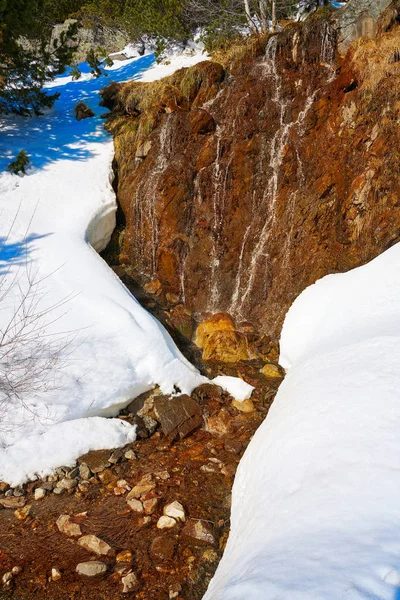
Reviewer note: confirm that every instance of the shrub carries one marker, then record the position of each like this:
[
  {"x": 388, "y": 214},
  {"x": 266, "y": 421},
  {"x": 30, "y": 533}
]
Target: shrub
[{"x": 20, "y": 164}]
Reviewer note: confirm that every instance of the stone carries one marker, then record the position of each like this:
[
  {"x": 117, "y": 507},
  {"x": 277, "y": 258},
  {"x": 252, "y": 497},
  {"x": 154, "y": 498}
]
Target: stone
[
  {"x": 233, "y": 446},
  {"x": 58, "y": 491},
  {"x": 146, "y": 484},
  {"x": 220, "y": 423},
  {"x": 82, "y": 111},
  {"x": 162, "y": 548},
  {"x": 84, "y": 472},
  {"x": 174, "y": 590},
  {"x": 13, "y": 502},
  {"x": 150, "y": 505},
  {"x": 175, "y": 510},
  {"x": 125, "y": 556},
  {"x": 165, "y": 522},
  {"x": 92, "y": 543},
  {"x": 93, "y": 568},
  {"x": 150, "y": 424},
  {"x": 130, "y": 583},
  {"x": 39, "y": 493},
  {"x": 23, "y": 513},
  {"x": 96, "y": 460},
  {"x": 130, "y": 455},
  {"x": 68, "y": 527},
  {"x": 106, "y": 476},
  {"x": 7, "y": 577},
  {"x": 4, "y": 487},
  {"x": 179, "y": 416},
  {"x": 244, "y": 406},
  {"x": 201, "y": 121},
  {"x": 67, "y": 484},
  {"x": 55, "y": 574},
  {"x": 47, "y": 485},
  {"x": 143, "y": 149},
  {"x": 16, "y": 570},
  {"x": 18, "y": 492},
  {"x": 135, "y": 505},
  {"x": 73, "y": 473},
  {"x": 219, "y": 340},
  {"x": 116, "y": 456},
  {"x": 199, "y": 531},
  {"x": 271, "y": 371}
]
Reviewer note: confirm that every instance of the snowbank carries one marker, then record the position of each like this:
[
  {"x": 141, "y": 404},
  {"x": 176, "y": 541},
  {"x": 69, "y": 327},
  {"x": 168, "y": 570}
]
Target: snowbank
[
  {"x": 58, "y": 216},
  {"x": 316, "y": 506}
]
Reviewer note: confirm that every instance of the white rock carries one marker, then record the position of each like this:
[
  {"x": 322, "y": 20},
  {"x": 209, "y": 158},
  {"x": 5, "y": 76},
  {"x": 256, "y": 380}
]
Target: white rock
[
  {"x": 91, "y": 568},
  {"x": 55, "y": 574},
  {"x": 7, "y": 577},
  {"x": 135, "y": 505},
  {"x": 92, "y": 543},
  {"x": 130, "y": 583},
  {"x": 166, "y": 522},
  {"x": 175, "y": 510},
  {"x": 67, "y": 527},
  {"x": 39, "y": 493}
]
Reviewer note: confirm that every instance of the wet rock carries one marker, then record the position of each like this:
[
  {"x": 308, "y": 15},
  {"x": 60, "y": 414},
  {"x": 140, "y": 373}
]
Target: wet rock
[
  {"x": 66, "y": 526},
  {"x": 135, "y": 505},
  {"x": 165, "y": 522},
  {"x": 201, "y": 121},
  {"x": 82, "y": 111},
  {"x": 93, "y": 568},
  {"x": 130, "y": 583},
  {"x": 23, "y": 513},
  {"x": 220, "y": 423},
  {"x": 92, "y": 543},
  {"x": 97, "y": 460},
  {"x": 13, "y": 502},
  {"x": 245, "y": 406},
  {"x": 219, "y": 340},
  {"x": 175, "y": 510},
  {"x": 199, "y": 531},
  {"x": 163, "y": 548},
  {"x": 179, "y": 416},
  {"x": 145, "y": 485},
  {"x": 55, "y": 574}
]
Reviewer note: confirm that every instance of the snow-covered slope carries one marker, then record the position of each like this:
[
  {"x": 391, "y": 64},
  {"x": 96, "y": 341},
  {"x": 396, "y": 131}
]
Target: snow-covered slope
[
  {"x": 52, "y": 223},
  {"x": 316, "y": 500}
]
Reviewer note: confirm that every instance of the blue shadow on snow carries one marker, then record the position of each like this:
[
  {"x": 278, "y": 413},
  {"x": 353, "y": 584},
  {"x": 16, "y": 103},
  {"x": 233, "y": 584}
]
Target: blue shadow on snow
[{"x": 16, "y": 253}]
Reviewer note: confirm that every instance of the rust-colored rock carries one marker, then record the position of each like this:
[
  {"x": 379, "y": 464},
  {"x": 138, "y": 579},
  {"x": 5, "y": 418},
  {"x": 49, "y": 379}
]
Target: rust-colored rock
[
  {"x": 201, "y": 121},
  {"x": 179, "y": 416},
  {"x": 220, "y": 341},
  {"x": 163, "y": 548},
  {"x": 298, "y": 180}
]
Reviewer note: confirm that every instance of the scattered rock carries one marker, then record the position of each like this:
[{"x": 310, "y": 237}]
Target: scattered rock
[
  {"x": 162, "y": 548},
  {"x": 130, "y": 455},
  {"x": 179, "y": 416},
  {"x": 16, "y": 570},
  {"x": 55, "y": 574},
  {"x": 143, "y": 150},
  {"x": 73, "y": 473},
  {"x": 4, "y": 487},
  {"x": 233, "y": 446},
  {"x": 145, "y": 485},
  {"x": 96, "y": 460},
  {"x": 18, "y": 492},
  {"x": 84, "y": 471},
  {"x": 68, "y": 527},
  {"x": 67, "y": 484},
  {"x": 165, "y": 522},
  {"x": 220, "y": 423},
  {"x": 7, "y": 577},
  {"x": 91, "y": 568},
  {"x": 135, "y": 505},
  {"x": 175, "y": 510},
  {"x": 220, "y": 341},
  {"x": 130, "y": 583},
  {"x": 58, "y": 491},
  {"x": 106, "y": 477},
  {"x": 116, "y": 456},
  {"x": 82, "y": 111},
  {"x": 92, "y": 543},
  {"x": 23, "y": 513},
  {"x": 150, "y": 505},
  {"x": 245, "y": 406},
  {"x": 174, "y": 590},
  {"x": 13, "y": 502},
  {"x": 198, "y": 530},
  {"x": 39, "y": 493}
]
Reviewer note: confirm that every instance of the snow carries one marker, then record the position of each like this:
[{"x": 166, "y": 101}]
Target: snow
[
  {"x": 237, "y": 388},
  {"x": 316, "y": 511},
  {"x": 57, "y": 217}
]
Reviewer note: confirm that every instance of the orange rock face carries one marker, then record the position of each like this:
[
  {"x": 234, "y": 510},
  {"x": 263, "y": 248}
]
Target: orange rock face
[{"x": 262, "y": 179}]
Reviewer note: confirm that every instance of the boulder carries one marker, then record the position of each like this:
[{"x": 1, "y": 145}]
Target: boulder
[
  {"x": 220, "y": 341},
  {"x": 179, "y": 416},
  {"x": 82, "y": 111}
]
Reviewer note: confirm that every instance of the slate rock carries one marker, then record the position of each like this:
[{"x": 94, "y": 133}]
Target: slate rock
[{"x": 179, "y": 416}]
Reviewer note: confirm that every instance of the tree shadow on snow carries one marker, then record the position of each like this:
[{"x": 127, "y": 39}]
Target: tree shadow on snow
[
  {"x": 13, "y": 254},
  {"x": 57, "y": 134}
]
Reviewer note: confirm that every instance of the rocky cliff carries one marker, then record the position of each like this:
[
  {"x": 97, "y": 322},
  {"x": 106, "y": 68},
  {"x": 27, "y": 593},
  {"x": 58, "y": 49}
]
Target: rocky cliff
[{"x": 243, "y": 183}]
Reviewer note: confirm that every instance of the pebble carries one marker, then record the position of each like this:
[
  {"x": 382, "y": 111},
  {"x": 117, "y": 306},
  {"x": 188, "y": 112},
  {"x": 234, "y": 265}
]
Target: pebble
[
  {"x": 7, "y": 577},
  {"x": 39, "y": 493},
  {"x": 165, "y": 522},
  {"x": 16, "y": 570},
  {"x": 84, "y": 471},
  {"x": 175, "y": 510},
  {"x": 91, "y": 568},
  {"x": 198, "y": 530},
  {"x": 66, "y": 484},
  {"x": 92, "y": 543},
  {"x": 245, "y": 406},
  {"x": 18, "y": 492},
  {"x": 125, "y": 556},
  {"x": 174, "y": 591},
  {"x": 130, "y": 583},
  {"x": 73, "y": 474},
  {"x": 145, "y": 485},
  {"x": 162, "y": 548},
  {"x": 150, "y": 505},
  {"x": 23, "y": 513},
  {"x": 130, "y": 455},
  {"x": 13, "y": 502},
  {"x": 58, "y": 491},
  {"x": 135, "y": 505},
  {"x": 55, "y": 574},
  {"x": 67, "y": 527},
  {"x": 4, "y": 487}
]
